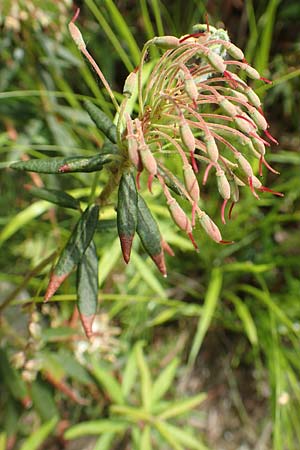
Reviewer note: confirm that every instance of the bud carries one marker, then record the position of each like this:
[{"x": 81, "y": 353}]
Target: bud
[
  {"x": 187, "y": 136},
  {"x": 244, "y": 123},
  {"x": 228, "y": 107},
  {"x": 132, "y": 144},
  {"x": 210, "y": 227},
  {"x": 76, "y": 36},
  {"x": 223, "y": 184},
  {"x": 166, "y": 42},
  {"x": 211, "y": 148},
  {"x": 253, "y": 97},
  {"x": 216, "y": 61},
  {"x": 190, "y": 86},
  {"x": 179, "y": 216},
  {"x": 234, "y": 51},
  {"x": 244, "y": 164},
  {"x": 258, "y": 118},
  {"x": 191, "y": 182},
  {"x": 250, "y": 71},
  {"x": 130, "y": 84},
  {"x": 259, "y": 146}
]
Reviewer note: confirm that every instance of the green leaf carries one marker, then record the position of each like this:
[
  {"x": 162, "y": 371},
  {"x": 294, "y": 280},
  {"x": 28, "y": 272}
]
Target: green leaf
[
  {"x": 129, "y": 374},
  {"x": 3, "y": 441},
  {"x": 127, "y": 213},
  {"x": 73, "y": 368},
  {"x": 164, "y": 380},
  {"x": 38, "y": 437},
  {"x": 145, "y": 441},
  {"x": 179, "y": 407},
  {"x": 209, "y": 307},
  {"x": 11, "y": 377},
  {"x": 147, "y": 275},
  {"x": 105, "y": 441},
  {"x": 246, "y": 318},
  {"x": 102, "y": 121},
  {"x": 55, "y": 196},
  {"x": 185, "y": 438},
  {"x": 87, "y": 287},
  {"x": 75, "y": 248},
  {"x": 167, "y": 435},
  {"x": 62, "y": 165},
  {"x": 107, "y": 380},
  {"x": 95, "y": 427},
  {"x": 146, "y": 383},
  {"x": 43, "y": 400}
]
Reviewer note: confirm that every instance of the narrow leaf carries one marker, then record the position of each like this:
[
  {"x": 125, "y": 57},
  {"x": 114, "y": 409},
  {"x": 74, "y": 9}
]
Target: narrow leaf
[
  {"x": 55, "y": 196},
  {"x": 127, "y": 213},
  {"x": 129, "y": 374},
  {"x": 39, "y": 436},
  {"x": 11, "y": 378},
  {"x": 61, "y": 165},
  {"x": 149, "y": 234},
  {"x": 184, "y": 437},
  {"x": 246, "y": 318},
  {"x": 3, "y": 441},
  {"x": 105, "y": 441},
  {"x": 209, "y": 307},
  {"x": 164, "y": 380},
  {"x": 145, "y": 441},
  {"x": 95, "y": 427},
  {"x": 87, "y": 288},
  {"x": 74, "y": 249},
  {"x": 167, "y": 435},
  {"x": 43, "y": 400},
  {"x": 182, "y": 406},
  {"x": 146, "y": 383},
  {"x": 108, "y": 382},
  {"x": 102, "y": 121}
]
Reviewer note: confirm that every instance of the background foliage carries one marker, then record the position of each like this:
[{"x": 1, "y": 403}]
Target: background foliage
[{"x": 226, "y": 320}]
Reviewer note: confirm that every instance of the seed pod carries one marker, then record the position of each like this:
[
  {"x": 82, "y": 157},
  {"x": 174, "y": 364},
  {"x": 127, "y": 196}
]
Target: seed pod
[
  {"x": 127, "y": 213},
  {"x": 234, "y": 190},
  {"x": 216, "y": 61},
  {"x": 190, "y": 86},
  {"x": 130, "y": 84},
  {"x": 133, "y": 153},
  {"x": 244, "y": 123},
  {"x": 76, "y": 36},
  {"x": 258, "y": 118},
  {"x": 102, "y": 121},
  {"x": 253, "y": 97},
  {"x": 251, "y": 72},
  {"x": 149, "y": 234},
  {"x": 259, "y": 146},
  {"x": 179, "y": 216},
  {"x": 191, "y": 182},
  {"x": 166, "y": 42},
  {"x": 244, "y": 164},
  {"x": 211, "y": 148},
  {"x": 186, "y": 134},
  {"x": 148, "y": 160},
  {"x": 234, "y": 51},
  {"x": 210, "y": 227},
  {"x": 228, "y": 107},
  {"x": 223, "y": 184}
]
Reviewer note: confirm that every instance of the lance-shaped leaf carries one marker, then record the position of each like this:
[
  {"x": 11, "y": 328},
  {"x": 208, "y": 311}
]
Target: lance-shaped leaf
[
  {"x": 63, "y": 164},
  {"x": 87, "y": 288},
  {"x": 127, "y": 213},
  {"x": 55, "y": 196},
  {"x": 169, "y": 179},
  {"x": 102, "y": 121},
  {"x": 74, "y": 250},
  {"x": 149, "y": 234},
  {"x": 12, "y": 379}
]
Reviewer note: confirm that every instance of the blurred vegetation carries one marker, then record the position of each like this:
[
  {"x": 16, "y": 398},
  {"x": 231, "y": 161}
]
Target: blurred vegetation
[{"x": 226, "y": 321}]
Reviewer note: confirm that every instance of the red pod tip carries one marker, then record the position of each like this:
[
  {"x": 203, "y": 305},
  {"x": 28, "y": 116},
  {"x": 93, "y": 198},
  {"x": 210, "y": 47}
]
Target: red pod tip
[
  {"x": 126, "y": 244},
  {"x": 87, "y": 323}
]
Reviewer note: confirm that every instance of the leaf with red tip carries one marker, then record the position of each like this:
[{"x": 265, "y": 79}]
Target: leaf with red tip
[
  {"x": 127, "y": 213},
  {"x": 87, "y": 288},
  {"x": 74, "y": 250},
  {"x": 149, "y": 234}
]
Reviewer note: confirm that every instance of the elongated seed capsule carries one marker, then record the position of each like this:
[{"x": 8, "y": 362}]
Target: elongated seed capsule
[
  {"x": 228, "y": 107},
  {"x": 76, "y": 36},
  {"x": 210, "y": 227},
  {"x": 130, "y": 84},
  {"x": 223, "y": 184},
  {"x": 179, "y": 216},
  {"x": 234, "y": 51},
  {"x": 127, "y": 213},
  {"x": 259, "y": 146},
  {"x": 244, "y": 123},
  {"x": 148, "y": 232},
  {"x": 216, "y": 61},
  {"x": 250, "y": 71},
  {"x": 186, "y": 134},
  {"x": 244, "y": 164},
  {"x": 191, "y": 182},
  {"x": 258, "y": 118},
  {"x": 190, "y": 86},
  {"x": 211, "y": 148},
  {"x": 166, "y": 42},
  {"x": 234, "y": 190},
  {"x": 133, "y": 153},
  {"x": 253, "y": 97}
]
